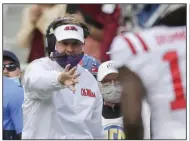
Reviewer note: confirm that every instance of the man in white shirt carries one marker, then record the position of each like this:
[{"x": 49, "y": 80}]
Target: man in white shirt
[{"x": 62, "y": 99}]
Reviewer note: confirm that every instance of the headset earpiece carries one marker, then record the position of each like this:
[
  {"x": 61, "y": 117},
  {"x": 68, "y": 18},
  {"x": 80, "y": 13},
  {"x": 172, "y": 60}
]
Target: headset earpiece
[
  {"x": 50, "y": 38},
  {"x": 51, "y": 41}
]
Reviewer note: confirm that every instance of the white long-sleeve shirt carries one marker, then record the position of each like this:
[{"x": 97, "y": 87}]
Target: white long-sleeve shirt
[{"x": 52, "y": 111}]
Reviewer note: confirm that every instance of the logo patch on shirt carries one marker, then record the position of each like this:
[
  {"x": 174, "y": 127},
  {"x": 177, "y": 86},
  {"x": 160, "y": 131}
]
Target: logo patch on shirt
[
  {"x": 113, "y": 131},
  {"x": 87, "y": 92}
]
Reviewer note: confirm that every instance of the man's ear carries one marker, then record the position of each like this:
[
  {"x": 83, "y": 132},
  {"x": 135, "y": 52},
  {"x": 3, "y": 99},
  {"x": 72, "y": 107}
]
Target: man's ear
[{"x": 83, "y": 46}]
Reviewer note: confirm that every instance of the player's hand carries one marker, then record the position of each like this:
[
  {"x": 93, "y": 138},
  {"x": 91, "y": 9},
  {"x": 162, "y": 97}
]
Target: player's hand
[
  {"x": 35, "y": 12},
  {"x": 69, "y": 77}
]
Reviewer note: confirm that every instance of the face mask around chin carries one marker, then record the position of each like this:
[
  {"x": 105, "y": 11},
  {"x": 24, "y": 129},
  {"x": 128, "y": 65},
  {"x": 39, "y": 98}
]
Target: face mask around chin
[
  {"x": 16, "y": 80},
  {"x": 111, "y": 93},
  {"x": 64, "y": 60}
]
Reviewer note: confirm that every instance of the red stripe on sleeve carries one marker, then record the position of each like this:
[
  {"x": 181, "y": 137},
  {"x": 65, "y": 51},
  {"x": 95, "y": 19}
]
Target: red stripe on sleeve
[
  {"x": 145, "y": 47},
  {"x": 130, "y": 45}
]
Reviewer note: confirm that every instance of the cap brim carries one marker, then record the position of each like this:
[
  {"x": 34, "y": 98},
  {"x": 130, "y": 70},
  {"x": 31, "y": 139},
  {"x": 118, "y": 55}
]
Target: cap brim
[
  {"x": 101, "y": 76},
  {"x": 65, "y": 32},
  {"x": 11, "y": 56},
  {"x": 64, "y": 35}
]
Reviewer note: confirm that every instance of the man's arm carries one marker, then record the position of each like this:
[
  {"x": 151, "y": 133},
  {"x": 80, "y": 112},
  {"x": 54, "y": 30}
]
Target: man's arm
[
  {"x": 131, "y": 101},
  {"x": 58, "y": 10},
  {"x": 25, "y": 33},
  {"x": 15, "y": 109},
  {"x": 97, "y": 34},
  {"x": 39, "y": 81}
]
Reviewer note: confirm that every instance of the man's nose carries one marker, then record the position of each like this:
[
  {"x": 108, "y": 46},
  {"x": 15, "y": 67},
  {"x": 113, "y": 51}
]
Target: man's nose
[{"x": 69, "y": 49}]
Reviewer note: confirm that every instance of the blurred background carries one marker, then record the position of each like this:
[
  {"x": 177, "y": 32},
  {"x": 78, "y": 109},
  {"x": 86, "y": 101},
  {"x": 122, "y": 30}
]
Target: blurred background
[
  {"x": 12, "y": 14},
  {"x": 24, "y": 25}
]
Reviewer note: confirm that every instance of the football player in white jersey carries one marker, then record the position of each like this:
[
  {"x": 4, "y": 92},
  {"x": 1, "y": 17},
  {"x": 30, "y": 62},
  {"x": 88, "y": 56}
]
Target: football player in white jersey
[
  {"x": 152, "y": 65},
  {"x": 111, "y": 114}
]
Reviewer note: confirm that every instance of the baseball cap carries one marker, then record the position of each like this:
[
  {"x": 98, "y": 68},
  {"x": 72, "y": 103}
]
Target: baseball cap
[
  {"x": 105, "y": 69},
  {"x": 12, "y": 56},
  {"x": 69, "y": 31}
]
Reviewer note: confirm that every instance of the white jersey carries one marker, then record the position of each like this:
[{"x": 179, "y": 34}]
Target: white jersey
[
  {"x": 158, "y": 56},
  {"x": 52, "y": 111},
  {"x": 113, "y": 128}
]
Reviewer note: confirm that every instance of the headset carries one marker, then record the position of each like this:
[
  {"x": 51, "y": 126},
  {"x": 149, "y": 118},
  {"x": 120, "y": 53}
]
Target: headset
[{"x": 50, "y": 37}]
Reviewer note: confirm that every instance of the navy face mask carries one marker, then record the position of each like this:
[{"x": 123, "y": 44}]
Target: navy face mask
[{"x": 64, "y": 59}]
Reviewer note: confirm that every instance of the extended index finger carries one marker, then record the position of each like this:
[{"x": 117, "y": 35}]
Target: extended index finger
[{"x": 67, "y": 67}]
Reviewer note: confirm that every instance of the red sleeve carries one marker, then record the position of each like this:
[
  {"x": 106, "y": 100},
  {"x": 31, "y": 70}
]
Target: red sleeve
[
  {"x": 37, "y": 46},
  {"x": 111, "y": 23}
]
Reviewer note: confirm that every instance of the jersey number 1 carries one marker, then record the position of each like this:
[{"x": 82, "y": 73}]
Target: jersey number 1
[{"x": 179, "y": 102}]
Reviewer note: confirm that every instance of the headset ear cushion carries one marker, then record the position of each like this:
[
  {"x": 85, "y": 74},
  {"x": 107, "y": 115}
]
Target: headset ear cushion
[{"x": 50, "y": 42}]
